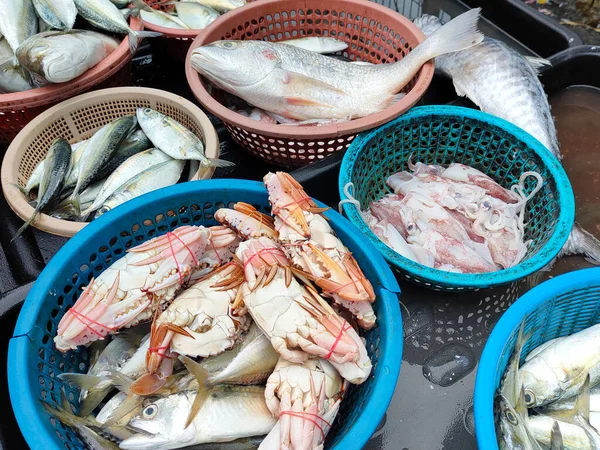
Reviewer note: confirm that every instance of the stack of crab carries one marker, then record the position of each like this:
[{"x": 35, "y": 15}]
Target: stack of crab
[{"x": 253, "y": 291}]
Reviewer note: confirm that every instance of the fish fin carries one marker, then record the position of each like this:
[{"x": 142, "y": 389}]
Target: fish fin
[
  {"x": 81, "y": 380},
  {"x": 587, "y": 244},
  {"x": 127, "y": 12},
  {"x": 521, "y": 406},
  {"x": 458, "y": 34},
  {"x": 135, "y": 36},
  {"x": 193, "y": 168},
  {"x": 11, "y": 63},
  {"x": 556, "y": 441},
  {"x": 133, "y": 335},
  {"x": 296, "y": 101},
  {"x": 202, "y": 375},
  {"x": 214, "y": 162},
  {"x": 22, "y": 189},
  {"x": 537, "y": 63},
  {"x": 139, "y": 5},
  {"x": 120, "y": 381},
  {"x": 582, "y": 404},
  {"x": 396, "y": 98},
  {"x": 25, "y": 226},
  {"x": 128, "y": 405}
]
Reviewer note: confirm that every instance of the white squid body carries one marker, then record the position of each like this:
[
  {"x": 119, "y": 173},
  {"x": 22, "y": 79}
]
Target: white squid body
[
  {"x": 306, "y": 398},
  {"x": 122, "y": 295},
  {"x": 282, "y": 312},
  {"x": 206, "y": 313},
  {"x": 59, "y": 57}
]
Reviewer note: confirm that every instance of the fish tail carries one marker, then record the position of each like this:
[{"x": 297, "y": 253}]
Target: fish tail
[
  {"x": 120, "y": 381},
  {"x": 214, "y": 162},
  {"x": 135, "y": 36},
  {"x": 139, "y": 5},
  {"x": 458, "y": 34},
  {"x": 25, "y": 226},
  {"x": 202, "y": 375},
  {"x": 556, "y": 440},
  {"x": 582, "y": 242}
]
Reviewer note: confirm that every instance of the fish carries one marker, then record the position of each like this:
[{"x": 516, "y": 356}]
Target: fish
[
  {"x": 94, "y": 385},
  {"x": 56, "y": 167},
  {"x": 221, "y": 5},
  {"x": 18, "y": 21},
  {"x": 121, "y": 3},
  {"x": 163, "y": 19},
  {"x": 125, "y": 172},
  {"x": 195, "y": 15},
  {"x": 133, "y": 144},
  {"x": 99, "y": 150},
  {"x": 573, "y": 436},
  {"x": 156, "y": 177},
  {"x": 76, "y": 160},
  {"x": 61, "y": 56},
  {"x": 174, "y": 139},
  {"x": 58, "y": 14},
  {"x": 229, "y": 412},
  {"x": 303, "y": 85},
  {"x": 502, "y": 82},
  {"x": 582, "y": 414},
  {"x": 86, "y": 427},
  {"x": 118, "y": 429},
  {"x": 65, "y": 209},
  {"x": 556, "y": 441},
  {"x": 318, "y": 44},
  {"x": 249, "y": 362},
  {"x": 13, "y": 77},
  {"x": 510, "y": 387},
  {"x": 558, "y": 372},
  {"x": 106, "y": 16},
  {"x": 512, "y": 423}
]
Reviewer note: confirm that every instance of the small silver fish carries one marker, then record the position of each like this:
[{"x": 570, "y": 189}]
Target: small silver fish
[
  {"x": 174, "y": 139},
  {"x": 318, "y": 44},
  {"x": 221, "y": 5},
  {"x": 163, "y": 19},
  {"x": 56, "y": 167},
  {"x": 133, "y": 144},
  {"x": 106, "y": 16},
  {"x": 512, "y": 426},
  {"x": 303, "y": 85},
  {"x": 58, "y": 14},
  {"x": 195, "y": 15}
]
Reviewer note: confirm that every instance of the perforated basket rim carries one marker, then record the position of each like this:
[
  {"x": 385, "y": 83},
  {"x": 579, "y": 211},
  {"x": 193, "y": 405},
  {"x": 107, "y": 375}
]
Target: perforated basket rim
[
  {"x": 424, "y": 77},
  {"x": 485, "y": 387},
  {"x": 53, "y": 92},
  {"x": 28, "y": 410},
  {"x": 17, "y": 148},
  {"x": 452, "y": 280}
]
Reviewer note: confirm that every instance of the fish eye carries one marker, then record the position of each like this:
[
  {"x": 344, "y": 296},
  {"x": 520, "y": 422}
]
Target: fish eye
[
  {"x": 411, "y": 228},
  {"x": 510, "y": 416},
  {"x": 147, "y": 110},
  {"x": 150, "y": 411},
  {"x": 529, "y": 398},
  {"x": 228, "y": 44}
]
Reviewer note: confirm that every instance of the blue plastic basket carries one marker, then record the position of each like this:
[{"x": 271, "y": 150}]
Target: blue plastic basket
[
  {"x": 558, "y": 307},
  {"x": 445, "y": 134},
  {"x": 34, "y": 363}
]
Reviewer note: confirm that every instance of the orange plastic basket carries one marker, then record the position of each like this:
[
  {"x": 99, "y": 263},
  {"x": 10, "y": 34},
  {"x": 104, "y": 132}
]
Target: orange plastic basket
[
  {"x": 374, "y": 33},
  {"x": 17, "y": 109}
]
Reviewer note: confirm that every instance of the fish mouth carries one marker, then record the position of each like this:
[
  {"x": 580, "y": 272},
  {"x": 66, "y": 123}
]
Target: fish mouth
[{"x": 143, "y": 442}]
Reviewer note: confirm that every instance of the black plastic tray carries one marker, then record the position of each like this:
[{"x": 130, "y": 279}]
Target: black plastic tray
[{"x": 422, "y": 415}]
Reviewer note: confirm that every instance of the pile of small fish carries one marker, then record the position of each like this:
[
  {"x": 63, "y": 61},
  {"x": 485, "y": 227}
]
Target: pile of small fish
[
  {"x": 128, "y": 157},
  {"x": 190, "y": 14},
  {"x": 302, "y": 87},
  {"x": 552, "y": 400},
  {"x": 239, "y": 296},
  {"x": 455, "y": 219},
  {"x": 40, "y": 45}
]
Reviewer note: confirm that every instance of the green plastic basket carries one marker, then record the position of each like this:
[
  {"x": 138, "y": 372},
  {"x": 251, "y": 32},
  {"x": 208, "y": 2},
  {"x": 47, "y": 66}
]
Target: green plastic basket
[{"x": 445, "y": 134}]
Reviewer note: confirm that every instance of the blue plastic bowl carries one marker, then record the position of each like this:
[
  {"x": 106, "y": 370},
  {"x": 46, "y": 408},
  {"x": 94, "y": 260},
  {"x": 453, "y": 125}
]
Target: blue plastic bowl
[
  {"x": 446, "y": 134},
  {"x": 34, "y": 363},
  {"x": 558, "y": 307}
]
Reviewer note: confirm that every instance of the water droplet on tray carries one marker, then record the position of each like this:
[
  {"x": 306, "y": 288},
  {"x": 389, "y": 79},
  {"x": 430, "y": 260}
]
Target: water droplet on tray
[
  {"x": 469, "y": 420},
  {"x": 421, "y": 317},
  {"x": 449, "y": 365}
]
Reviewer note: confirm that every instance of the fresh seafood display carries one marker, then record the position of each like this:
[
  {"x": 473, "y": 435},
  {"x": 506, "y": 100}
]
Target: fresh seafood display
[
  {"x": 264, "y": 355},
  {"x": 549, "y": 397},
  {"x": 455, "y": 219},
  {"x": 190, "y": 14},
  {"x": 118, "y": 163},
  {"x": 504, "y": 83},
  {"x": 298, "y": 84}
]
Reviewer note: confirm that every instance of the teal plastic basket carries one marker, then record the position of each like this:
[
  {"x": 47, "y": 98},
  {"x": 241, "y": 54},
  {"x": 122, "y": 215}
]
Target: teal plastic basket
[
  {"x": 445, "y": 134},
  {"x": 34, "y": 363},
  {"x": 558, "y": 307}
]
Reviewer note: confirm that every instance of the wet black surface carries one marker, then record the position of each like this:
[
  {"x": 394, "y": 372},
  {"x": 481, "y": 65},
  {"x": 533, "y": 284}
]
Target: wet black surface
[{"x": 444, "y": 333}]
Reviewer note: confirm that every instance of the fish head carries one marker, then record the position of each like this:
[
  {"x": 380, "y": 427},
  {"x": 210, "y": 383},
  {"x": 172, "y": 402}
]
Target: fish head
[
  {"x": 231, "y": 64},
  {"x": 161, "y": 424},
  {"x": 511, "y": 425},
  {"x": 32, "y": 55},
  {"x": 428, "y": 24},
  {"x": 540, "y": 382}
]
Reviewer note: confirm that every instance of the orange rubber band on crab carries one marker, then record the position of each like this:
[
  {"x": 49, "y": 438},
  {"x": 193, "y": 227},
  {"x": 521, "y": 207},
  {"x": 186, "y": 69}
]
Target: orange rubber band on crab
[
  {"x": 169, "y": 234},
  {"x": 259, "y": 252},
  {"x": 338, "y": 338},
  {"x": 307, "y": 416},
  {"x": 82, "y": 317}
]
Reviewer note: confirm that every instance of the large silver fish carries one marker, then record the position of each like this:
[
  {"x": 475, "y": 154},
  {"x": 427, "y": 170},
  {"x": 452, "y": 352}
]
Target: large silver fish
[
  {"x": 106, "y": 16},
  {"x": 18, "y": 21},
  {"x": 229, "y": 413},
  {"x": 303, "y": 85},
  {"x": 60, "y": 56},
  {"x": 502, "y": 82},
  {"x": 58, "y": 14},
  {"x": 56, "y": 167}
]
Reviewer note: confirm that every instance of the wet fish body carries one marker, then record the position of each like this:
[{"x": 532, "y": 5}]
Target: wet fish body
[
  {"x": 195, "y": 15},
  {"x": 58, "y": 56},
  {"x": 58, "y": 14},
  {"x": 221, "y": 5},
  {"x": 13, "y": 78},
  {"x": 18, "y": 21},
  {"x": 163, "y": 19},
  {"x": 318, "y": 44},
  {"x": 133, "y": 144},
  {"x": 303, "y": 85}
]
